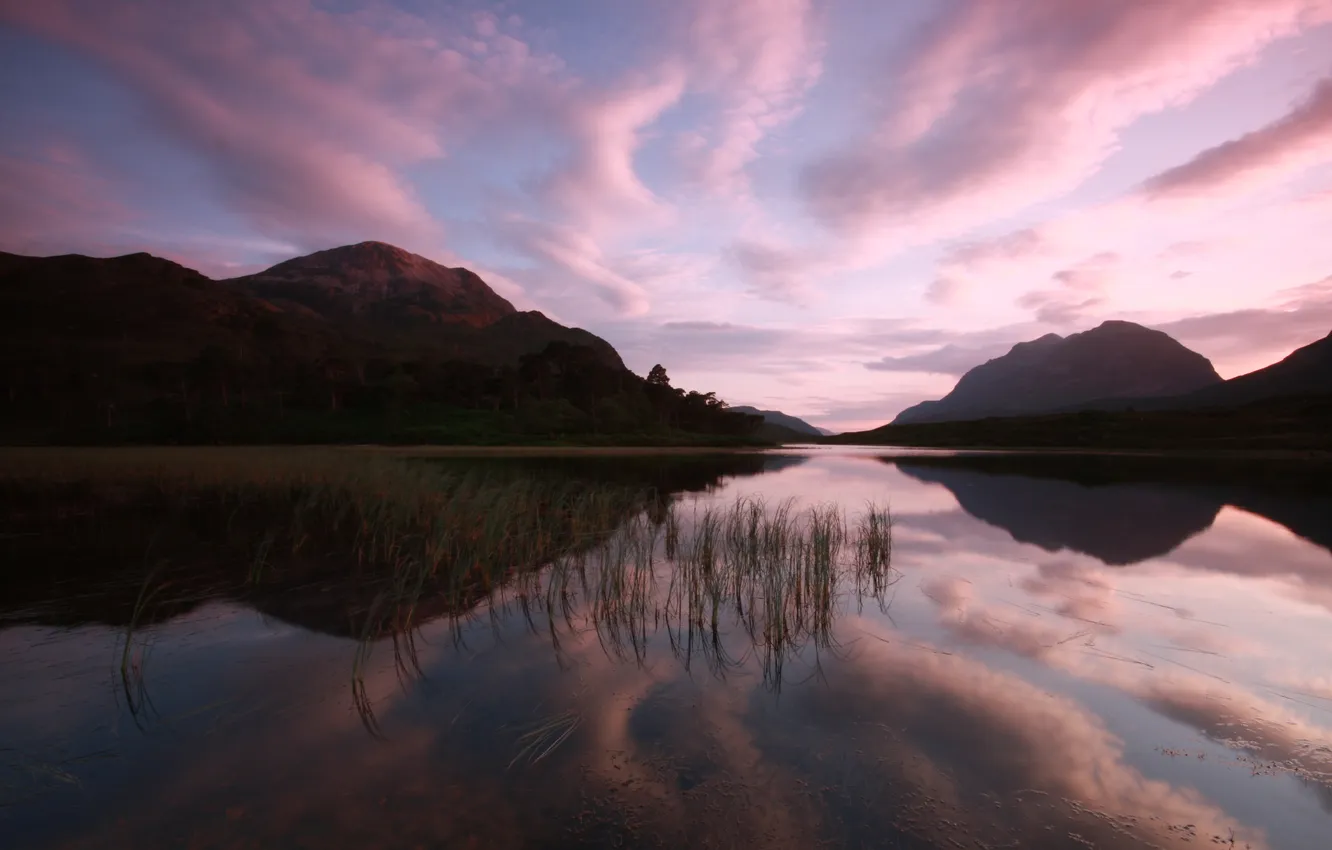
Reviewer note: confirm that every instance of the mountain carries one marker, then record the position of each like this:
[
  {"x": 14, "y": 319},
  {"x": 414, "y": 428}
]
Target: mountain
[
  {"x": 365, "y": 343},
  {"x": 776, "y": 417},
  {"x": 398, "y": 298},
  {"x": 136, "y": 307},
  {"x": 359, "y": 299},
  {"x": 372, "y": 280},
  {"x": 1307, "y": 371},
  {"x": 1113, "y": 360}
]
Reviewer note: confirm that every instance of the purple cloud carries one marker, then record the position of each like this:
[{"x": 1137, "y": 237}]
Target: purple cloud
[
  {"x": 998, "y": 106},
  {"x": 1303, "y": 135},
  {"x": 945, "y": 360}
]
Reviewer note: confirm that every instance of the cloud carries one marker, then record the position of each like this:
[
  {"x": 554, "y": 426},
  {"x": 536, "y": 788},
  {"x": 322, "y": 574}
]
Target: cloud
[
  {"x": 968, "y": 261},
  {"x": 1089, "y": 275},
  {"x": 945, "y": 360},
  {"x": 1302, "y": 315},
  {"x": 757, "y": 59},
  {"x": 779, "y": 274},
  {"x": 1299, "y": 139},
  {"x": 1080, "y": 288},
  {"x": 303, "y": 116},
  {"x": 597, "y": 185},
  {"x": 997, "y": 107},
  {"x": 578, "y": 256},
  {"x": 1055, "y": 307},
  {"x": 54, "y": 200}
]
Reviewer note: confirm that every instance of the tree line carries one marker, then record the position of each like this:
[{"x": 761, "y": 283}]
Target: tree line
[{"x": 280, "y": 386}]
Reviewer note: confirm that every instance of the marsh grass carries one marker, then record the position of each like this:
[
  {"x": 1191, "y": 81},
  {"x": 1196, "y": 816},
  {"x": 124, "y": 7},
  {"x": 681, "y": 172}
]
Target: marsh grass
[
  {"x": 395, "y": 543},
  {"x": 726, "y": 583}
]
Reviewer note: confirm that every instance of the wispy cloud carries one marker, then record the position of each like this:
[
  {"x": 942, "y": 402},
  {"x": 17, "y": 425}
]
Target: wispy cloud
[
  {"x": 910, "y": 187},
  {"x": 1000, "y": 106},
  {"x": 1301, "y": 138}
]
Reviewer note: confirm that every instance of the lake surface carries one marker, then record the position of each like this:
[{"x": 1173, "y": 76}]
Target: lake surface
[{"x": 1069, "y": 653}]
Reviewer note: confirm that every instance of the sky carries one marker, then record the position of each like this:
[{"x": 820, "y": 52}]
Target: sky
[{"x": 829, "y": 207}]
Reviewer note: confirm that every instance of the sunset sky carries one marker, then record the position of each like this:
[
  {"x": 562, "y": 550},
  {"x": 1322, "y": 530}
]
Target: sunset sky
[{"x": 829, "y": 208}]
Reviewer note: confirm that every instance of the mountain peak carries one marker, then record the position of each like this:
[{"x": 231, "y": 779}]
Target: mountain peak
[
  {"x": 1116, "y": 359},
  {"x": 1120, "y": 324},
  {"x": 381, "y": 281},
  {"x": 368, "y": 250}
]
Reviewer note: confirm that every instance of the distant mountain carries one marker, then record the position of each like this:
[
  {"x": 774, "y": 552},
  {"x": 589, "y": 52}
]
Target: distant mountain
[
  {"x": 776, "y": 417},
  {"x": 1114, "y": 360}
]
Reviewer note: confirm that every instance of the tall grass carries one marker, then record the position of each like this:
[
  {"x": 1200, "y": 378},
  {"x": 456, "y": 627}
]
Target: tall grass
[
  {"x": 409, "y": 542},
  {"x": 767, "y": 581}
]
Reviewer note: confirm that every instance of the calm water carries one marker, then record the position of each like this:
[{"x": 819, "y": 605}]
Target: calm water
[{"x": 1074, "y": 654}]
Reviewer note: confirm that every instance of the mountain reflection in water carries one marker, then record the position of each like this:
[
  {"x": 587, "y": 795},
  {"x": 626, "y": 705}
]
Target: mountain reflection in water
[
  {"x": 1121, "y": 510},
  {"x": 1062, "y": 653}
]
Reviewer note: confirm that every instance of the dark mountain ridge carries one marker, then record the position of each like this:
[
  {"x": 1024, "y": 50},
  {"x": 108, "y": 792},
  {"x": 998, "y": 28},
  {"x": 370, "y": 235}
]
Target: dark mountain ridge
[
  {"x": 365, "y": 342},
  {"x": 365, "y": 295},
  {"x": 1307, "y": 371},
  {"x": 1113, "y": 360},
  {"x": 376, "y": 280}
]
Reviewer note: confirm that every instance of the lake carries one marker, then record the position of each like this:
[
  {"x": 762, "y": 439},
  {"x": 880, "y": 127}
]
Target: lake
[{"x": 810, "y": 647}]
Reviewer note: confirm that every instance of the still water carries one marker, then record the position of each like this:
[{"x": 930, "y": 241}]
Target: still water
[{"x": 1071, "y": 653}]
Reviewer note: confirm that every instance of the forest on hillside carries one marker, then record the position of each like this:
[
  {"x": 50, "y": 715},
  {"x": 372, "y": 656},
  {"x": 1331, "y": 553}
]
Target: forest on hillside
[{"x": 283, "y": 391}]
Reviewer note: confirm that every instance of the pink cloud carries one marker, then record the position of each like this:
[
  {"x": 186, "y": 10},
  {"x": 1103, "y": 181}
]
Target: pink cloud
[
  {"x": 1000, "y": 106},
  {"x": 1079, "y": 289},
  {"x": 303, "y": 116},
  {"x": 576, "y": 254},
  {"x": 1301, "y": 315},
  {"x": 972, "y": 259},
  {"x": 1299, "y": 139},
  {"x": 55, "y": 200},
  {"x": 946, "y": 360},
  {"x": 758, "y": 58},
  {"x": 1089, "y": 275},
  {"x": 598, "y": 185},
  {"x": 776, "y": 273}
]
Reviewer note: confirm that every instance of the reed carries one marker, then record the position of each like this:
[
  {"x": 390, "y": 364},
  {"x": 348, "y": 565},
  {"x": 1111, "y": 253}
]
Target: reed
[{"x": 412, "y": 541}]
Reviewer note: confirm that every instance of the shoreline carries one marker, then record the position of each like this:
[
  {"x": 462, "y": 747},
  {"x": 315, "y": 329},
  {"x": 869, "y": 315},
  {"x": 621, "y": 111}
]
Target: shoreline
[{"x": 427, "y": 450}]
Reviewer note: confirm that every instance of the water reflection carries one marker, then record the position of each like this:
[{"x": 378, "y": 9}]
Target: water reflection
[
  {"x": 1044, "y": 662},
  {"x": 1122, "y": 510}
]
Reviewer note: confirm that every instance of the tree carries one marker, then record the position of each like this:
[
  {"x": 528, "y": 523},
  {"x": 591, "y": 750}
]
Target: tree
[
  {"x": 657, "y": 377},
  {"x": 335, "y": 370},
  {"x": 211, "y": 370}
]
